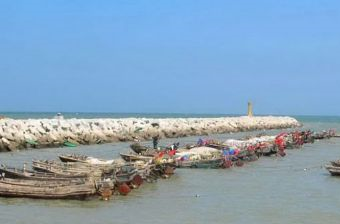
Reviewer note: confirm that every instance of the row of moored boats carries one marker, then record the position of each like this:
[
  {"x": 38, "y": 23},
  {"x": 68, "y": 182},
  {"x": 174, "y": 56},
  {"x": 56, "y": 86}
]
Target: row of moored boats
[
  {"x": 79, "y": 176},
  {"x": 216, "y": 154}
]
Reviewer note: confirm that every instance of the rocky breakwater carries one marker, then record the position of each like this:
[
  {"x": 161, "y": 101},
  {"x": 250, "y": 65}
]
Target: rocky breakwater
[{"x": 38, "y": 133}]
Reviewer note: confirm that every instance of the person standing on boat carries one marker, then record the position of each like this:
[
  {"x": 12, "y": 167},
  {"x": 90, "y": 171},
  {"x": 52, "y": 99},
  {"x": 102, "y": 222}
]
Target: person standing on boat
[
  {"x": 200, "y": 142},
  {"x": 226, "y": 152},
  {"x": 280, "y": 143},
  {"x": 155, "y": 140}
]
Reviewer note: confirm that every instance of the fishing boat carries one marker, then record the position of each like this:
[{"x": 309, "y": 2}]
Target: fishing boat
[
  {"x": 51, "y": 167},
  {"x": 85, "y": 159},
  {"x": 333, "y": 170},
  {"x": 149, "y": 151},
  {"x": 15, "y": 173},
  {"x": 125, "y": 174},
  {"x": 167, "y": 169},
  {"x": 127, "y": 178},
  {"x": 267, "y": 151},
  {"x": 336, "y": 163},
  {"x": 134, "y": 157},
  {"x": 73, "y": 158},
  {"x": 75, "y": 168},
  {"x": 145, "y": 170},
  {"x": 203, "y": 163},
  {"x": 164, "y": 170},
  {"x": 46, "y": 189},
  {"x": 138, "y": 148},
  {"x": 32, "y": 142},
  {"x": 216, "y": 145},
  {"x": 69, "y": 144}
]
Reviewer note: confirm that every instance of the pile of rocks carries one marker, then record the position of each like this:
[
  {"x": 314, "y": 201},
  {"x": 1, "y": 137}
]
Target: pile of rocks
[{"x": 20, "y": 134}]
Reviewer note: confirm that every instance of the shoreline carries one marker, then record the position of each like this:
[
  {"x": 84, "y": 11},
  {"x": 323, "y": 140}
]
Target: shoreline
[{"x": 43, "y": 133}]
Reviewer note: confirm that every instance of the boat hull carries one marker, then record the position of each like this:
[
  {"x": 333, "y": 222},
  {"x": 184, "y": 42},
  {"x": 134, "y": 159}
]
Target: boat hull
[
  {"x": 45, "y": 190},
  {"x": 203, "y": 164}
]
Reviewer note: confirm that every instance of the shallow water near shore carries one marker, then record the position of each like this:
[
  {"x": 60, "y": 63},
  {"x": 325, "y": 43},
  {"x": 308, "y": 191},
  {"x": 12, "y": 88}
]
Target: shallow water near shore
[{"x": 293, "y": 189}]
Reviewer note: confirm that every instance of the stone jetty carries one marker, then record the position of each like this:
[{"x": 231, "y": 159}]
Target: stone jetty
[{"x": 40, "y": 133}]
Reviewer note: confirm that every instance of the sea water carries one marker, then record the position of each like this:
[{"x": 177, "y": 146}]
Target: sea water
[{"x": 292, "y": 189}]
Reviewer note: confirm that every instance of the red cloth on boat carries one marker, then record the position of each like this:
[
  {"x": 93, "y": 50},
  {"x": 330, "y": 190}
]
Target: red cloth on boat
[
  {"x": 172, "y": 152},
  {"x": 279, "y": 141},
  {"x": 251, "y": 148},
  {"x": 161, "y": 154}
]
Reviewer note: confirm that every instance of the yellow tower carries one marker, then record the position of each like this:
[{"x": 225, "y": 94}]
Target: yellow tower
[{"x": 250, "y": 109}]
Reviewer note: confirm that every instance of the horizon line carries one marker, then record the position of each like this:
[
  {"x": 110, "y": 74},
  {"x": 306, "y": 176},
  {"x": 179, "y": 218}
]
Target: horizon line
[{"x": 160, "y": 113}]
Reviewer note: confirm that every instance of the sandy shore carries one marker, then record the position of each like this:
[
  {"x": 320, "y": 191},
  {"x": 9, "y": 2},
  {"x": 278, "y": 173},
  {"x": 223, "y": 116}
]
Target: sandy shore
[{"x": 19, "y": 134}]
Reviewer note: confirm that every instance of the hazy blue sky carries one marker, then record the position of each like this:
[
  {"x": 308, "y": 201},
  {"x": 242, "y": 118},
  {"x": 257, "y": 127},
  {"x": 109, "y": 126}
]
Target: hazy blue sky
[{"x": 170, "y": 56}]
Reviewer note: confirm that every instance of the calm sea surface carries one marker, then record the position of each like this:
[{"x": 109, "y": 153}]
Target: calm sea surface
[{"x": 293, "y": 189}]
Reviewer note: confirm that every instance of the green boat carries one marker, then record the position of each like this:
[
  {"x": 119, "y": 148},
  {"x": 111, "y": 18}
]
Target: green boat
[
  {"x": 69, "y": 144},
  {"x": 31, "y": 142}
]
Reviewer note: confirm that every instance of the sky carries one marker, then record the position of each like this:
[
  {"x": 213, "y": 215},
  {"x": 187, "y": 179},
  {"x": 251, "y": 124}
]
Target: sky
[{"x": 178, "y": 56}]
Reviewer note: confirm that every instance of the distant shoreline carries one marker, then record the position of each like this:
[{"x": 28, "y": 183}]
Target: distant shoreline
[
  {"x": 86, "y": 115},
  {"x": 117, "y": 115}
]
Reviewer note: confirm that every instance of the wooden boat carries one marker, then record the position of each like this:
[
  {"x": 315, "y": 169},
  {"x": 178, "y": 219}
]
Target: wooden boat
[
  {"x": 70, "y": 165},
  {"x": 321, "y": 135},
  {"x": 45, "y": 190},
  {"x": 138, "y": 148},
  {"x": 32, "y": 142},
  {"x": 216, "y": 145},
  {"x": 105, "y": 189},
  {"x": 125, "y": 174},
  {"x": 73, "y": 158},
  {"x": 84, "y": 170},
  {"x": 333, "y": 170},
  {"x": 204, "y": 163},
  {"x": 47, "y": 166},
  {"x": 164, "y": 170},
  {"x": 135, "y": 157},
  {"x": 14, "y": 173},
  {"x": 242, "y": 154},
  {"x": 149, "y": 151},
  {"x": 267, "y": 151},
  {"x": 70, "y": 158},
  {"x": 145, "y": 170},
  {"x": 336, "y": 163},
  {"x": 69, "y": 144},
  {"x": 126, "y": 178}
]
